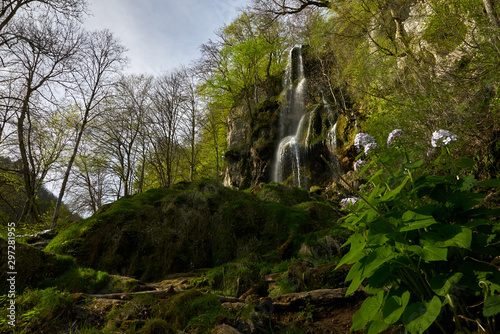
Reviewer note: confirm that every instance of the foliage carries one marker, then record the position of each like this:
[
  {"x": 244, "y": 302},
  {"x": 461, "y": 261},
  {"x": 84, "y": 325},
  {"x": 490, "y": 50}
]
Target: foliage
[
  {"x": 423, "y": 244},
  {"x": 40, "y": 310},
  {"x": 77, "y": 279}
]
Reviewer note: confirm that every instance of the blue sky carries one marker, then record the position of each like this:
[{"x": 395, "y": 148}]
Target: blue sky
[{"x": 162, "y": 34}]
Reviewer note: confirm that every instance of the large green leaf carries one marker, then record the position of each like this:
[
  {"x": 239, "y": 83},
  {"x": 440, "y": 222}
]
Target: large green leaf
[
  {"x": 368, "y": 311},
  {"x": 394, "y": 307},
  {"x": 490, "y": 183},
  {"x": 356, "y": 252},
  {"x": 443, "y": 285},
  {"x": 429, "y": 252},
  {"x": 420, "y": 316},
  {"x": 449, "y": 236},
  {"x": 365, "y": 267},
  {"x": 376, "y": 327},
  {"x": 491, "y": 306},
  {"x": 414, "y": 221}
]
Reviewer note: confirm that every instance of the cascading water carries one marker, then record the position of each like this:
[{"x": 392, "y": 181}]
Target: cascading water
[
  {"x": 303, "y": 135},
  {"x": 287, "y": 157}
]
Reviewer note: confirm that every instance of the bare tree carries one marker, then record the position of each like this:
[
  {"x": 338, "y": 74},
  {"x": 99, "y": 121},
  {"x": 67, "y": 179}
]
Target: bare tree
[
  {"x": 100, "y": 58},
  {"x": 13, "y": 12},
  {"x": 287, "y": 7},
  {"x": 169, "y": 101},
  {"x": 36, "y": 65},
  {"x": 191, "y": 120},
  {"x": 121, "y": 130}
]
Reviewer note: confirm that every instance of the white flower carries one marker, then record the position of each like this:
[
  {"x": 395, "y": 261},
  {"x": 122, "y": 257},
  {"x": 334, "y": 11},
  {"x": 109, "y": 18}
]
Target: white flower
[
  {"x": 347, "y": 201},
  {"x": 359, "y": 164},
  {"x": 362, "y": 139},
  {"x": 369, "y": 147},
  {"x": 393, "y": 136},
  {"x": 442, "y": 137}
]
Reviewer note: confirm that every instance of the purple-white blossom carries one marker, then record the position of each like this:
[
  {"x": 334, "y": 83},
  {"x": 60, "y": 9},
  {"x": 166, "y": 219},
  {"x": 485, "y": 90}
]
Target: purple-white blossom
[
  {"x": 359, "y": 164},
  {"x": 347, "y": 201},
  {"x": 369, "y": 147},
  {"x": 393, "y": 136},
  {"x": 362, "y": 139},
  {"x": 442, "y": 137}
]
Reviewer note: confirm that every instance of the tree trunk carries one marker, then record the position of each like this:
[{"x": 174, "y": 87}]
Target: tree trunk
[
  {"x": 68, "y": 171},
  {"x": 489, "y": 5},
  {"x": 28, "y": 180}
]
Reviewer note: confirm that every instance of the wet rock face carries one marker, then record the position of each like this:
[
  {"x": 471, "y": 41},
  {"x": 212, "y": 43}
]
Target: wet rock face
[{"x": 251, "y": 145}]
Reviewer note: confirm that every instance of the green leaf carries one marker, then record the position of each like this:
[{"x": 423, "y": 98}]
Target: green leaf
[
  {"x": 491, "y": 306},
  {"x": 356, "y": 252},
  {"x": 414, "y": 221},
  {"x": 442, "y": 285},
  {"x": 394, "y": 307},
  {"x": 365, "y": 267},
  {"x": 449, "y": 236},
  {"x": 465, "y": 163},
  {"x": 429, "y": 252},
  {"x": 413, "y": 165},
  {"x": 376, "y": 327},
  {"x": 368, "y": 311},
  {"x": 389, "y": 195},
  {"x": 490, "y": 183},
  {"x": 420, "y": 316}
]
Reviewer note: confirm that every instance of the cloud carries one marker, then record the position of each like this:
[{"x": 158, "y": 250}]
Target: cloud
[{"x": 161, "y": 35}]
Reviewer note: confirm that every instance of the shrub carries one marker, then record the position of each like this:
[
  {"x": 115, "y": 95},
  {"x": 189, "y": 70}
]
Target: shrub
[{"x": 423, "y": 245}]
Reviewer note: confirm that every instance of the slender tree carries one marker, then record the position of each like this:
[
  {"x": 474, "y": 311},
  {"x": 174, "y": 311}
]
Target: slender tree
[
  {"x": 100, "y": 58},
  {"x": 169, "y": 101}
]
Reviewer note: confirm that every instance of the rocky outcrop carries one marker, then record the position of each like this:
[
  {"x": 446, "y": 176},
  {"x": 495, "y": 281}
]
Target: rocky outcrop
[
  {"x": 251, "y": 144},
  {"x": 185, "y": 227}
]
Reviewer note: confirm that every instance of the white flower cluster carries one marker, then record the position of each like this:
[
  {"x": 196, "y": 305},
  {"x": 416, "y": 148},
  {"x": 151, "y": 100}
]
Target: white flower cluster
[
  {"x": 365, "y": 141},
  {"x": 393, "y": 136},
  {"x": 359, "y": 164},
  {"x": 346, "y": 201},
  {"x": 442, "y": 137}
]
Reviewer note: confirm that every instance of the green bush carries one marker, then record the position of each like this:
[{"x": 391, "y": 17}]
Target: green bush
[
  {"x": 40, "y": 311},
  {"x": 423, "y": 245}
]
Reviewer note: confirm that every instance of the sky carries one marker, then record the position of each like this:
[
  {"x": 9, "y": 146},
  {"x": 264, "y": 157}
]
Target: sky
[{"x": 161, "y": 35}]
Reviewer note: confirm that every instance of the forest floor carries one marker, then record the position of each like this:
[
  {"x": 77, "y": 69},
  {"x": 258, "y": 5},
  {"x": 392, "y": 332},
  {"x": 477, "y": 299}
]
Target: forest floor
[{"x": 322, "y": 311}]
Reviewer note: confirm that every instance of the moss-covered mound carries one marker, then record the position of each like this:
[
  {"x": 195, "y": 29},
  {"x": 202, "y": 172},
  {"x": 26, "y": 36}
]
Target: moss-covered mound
[
  {"x": 31, "y": 264},
  {"x": 180, "y": 228}
]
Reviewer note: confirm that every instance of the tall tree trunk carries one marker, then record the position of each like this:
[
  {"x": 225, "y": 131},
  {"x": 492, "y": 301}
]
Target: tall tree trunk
[
  {"x": 489, "y": 5},
  {"x": 68, "y": 171},
  {"x": 26, "y": 171}
]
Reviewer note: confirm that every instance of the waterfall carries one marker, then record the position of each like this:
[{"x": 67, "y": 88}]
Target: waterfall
[
  {"x": 298, "y": 153},
  {"x": 287, "y": 157}
]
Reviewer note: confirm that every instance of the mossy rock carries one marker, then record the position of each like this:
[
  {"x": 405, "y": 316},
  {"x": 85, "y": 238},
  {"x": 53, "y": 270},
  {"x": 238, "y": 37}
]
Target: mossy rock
[
  {"x": 157, "y": 326},
  {"x": 280, "y": 193},
  {"x": 31, "y": 264},
  {"x": 184, "y": 227}
]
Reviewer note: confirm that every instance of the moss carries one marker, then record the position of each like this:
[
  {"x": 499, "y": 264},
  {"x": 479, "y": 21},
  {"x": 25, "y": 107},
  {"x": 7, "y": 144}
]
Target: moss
[
  {"x": 280, "y": 193},
  {"x": 190, "y": 308},
  {"x": 77, "y": 279},
  {"x": 156, "y": 326}
]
